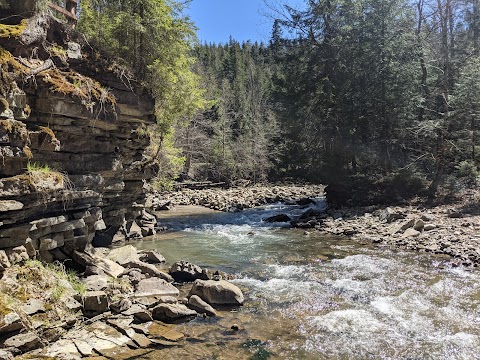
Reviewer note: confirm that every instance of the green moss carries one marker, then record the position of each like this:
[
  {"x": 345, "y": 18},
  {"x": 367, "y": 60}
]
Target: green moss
[{"x": 12, "y": 31}]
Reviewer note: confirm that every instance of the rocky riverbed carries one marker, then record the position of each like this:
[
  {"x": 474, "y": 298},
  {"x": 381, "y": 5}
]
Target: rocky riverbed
[
  {"x": 124, "y": 303},
  {"x": 236, "y": 199}
]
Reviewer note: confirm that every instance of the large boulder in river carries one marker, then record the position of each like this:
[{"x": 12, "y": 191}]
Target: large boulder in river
[
  {"x": 183, "y": 271},
  {"x": 172, "y": 312},
  {"x": 217, "y": 292},
  {"x": 278, "y": 218},
  {"x": 124, "y": 255}
]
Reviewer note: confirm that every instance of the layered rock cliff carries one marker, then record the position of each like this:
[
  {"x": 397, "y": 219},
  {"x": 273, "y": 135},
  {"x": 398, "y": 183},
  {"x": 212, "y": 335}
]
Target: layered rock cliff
[{"x": 72, "y": 143}]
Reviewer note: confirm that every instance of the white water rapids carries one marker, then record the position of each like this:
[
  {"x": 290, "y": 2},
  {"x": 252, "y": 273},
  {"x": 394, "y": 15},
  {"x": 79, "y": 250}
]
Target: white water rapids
[{"x": 315, "y": 297}]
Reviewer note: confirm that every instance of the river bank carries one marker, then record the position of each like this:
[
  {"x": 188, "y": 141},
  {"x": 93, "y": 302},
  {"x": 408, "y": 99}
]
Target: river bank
[{"x": 452, "y": 230}]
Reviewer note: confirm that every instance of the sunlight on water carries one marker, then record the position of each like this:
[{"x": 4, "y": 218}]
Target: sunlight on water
[{"x": 311, "y": 297}]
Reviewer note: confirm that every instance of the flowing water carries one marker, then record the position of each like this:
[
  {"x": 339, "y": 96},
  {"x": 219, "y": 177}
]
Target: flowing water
[{"x": 317, "y": 297}]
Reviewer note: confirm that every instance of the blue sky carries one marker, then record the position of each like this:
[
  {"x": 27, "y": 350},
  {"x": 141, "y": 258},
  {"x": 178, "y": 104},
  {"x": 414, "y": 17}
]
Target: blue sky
[{"x": 244, "y": 20}]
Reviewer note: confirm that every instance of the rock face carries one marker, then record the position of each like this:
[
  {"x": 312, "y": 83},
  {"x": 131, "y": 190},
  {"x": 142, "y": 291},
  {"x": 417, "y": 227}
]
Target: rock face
[
  {"x": 48, "y": 129},
  {"x": 217, "y": 292}
]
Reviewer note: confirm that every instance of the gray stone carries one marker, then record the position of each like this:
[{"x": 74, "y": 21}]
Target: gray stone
[
  {"x": 155, "y": 287},
  {"x": 34, "y": 306},
  {"x": 110, "y": 267},
  {"x": 63, "y": 349},
  {"x": 139, "y": 312},
  {"x": 200, "y": 306},
  {"x": 17, "y": 254},
  {"x": 411, "y": 233},
  {"x": 388, "y": 215},
  {"x": 172, "y": 312},
  {"x": 217, "y": 292},
  {"x": 121, "y": 305},
  {"x": 96, "y": 282},
  {"x": 24, "y": 342},
  {"x": 10, "y": 205},
  {"x": 95, "y": 302},
  {"x": 124, "y": 255},
  {"x": 10, "y": 322},
  {"x": 149, "y": 269},
  {"x": 38, "y": 224},
  {"x": 6, "y": 355},
  {"x": 429, "y": 227},
  {"x": 51, "y": 242},
  {"x": 134, "y": 231},
  {"x": 406, "y": 225},
  {"x": 151, "y": 257},
  {"x": 4, "y": 262},
  {"x": 70, "y": 303},
  {"x": 83, "y": 347},
  {"x": 419, "y": 225},
  {"x": 183, "y": 271}
]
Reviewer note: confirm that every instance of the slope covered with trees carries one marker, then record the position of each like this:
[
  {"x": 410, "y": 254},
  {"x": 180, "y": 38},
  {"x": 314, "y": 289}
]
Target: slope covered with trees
[{"x": 377, "y": 96}]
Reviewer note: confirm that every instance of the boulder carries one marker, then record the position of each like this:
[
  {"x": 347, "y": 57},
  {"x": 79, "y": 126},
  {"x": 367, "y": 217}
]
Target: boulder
[
  {"x": 110, "y": 267},
  {"x": 429, "y": 227},
  {"x": 217, "y": 292},
  {"x": 149, "y": 269},
  {"x": 34, "y": 306},
  {"x": 139, "y": 312},
  {"x": 96, "y": 282},
  {"x": 411, "y": 233},
  {"x": 160, "y": 331},
  {"x": 419, "y": 225},
  {"x": 95, "y": 303},
  {"x": 172, "y": 312},
  {"x": 124, "y": 255},
  {"x": 121, "y": 305},
  {"x": 17, "y": 254},
  {"x": 388, "y": 215},
  {"x": 151, "y": 257},
  {"x": 23, "y": 342},
  {"x": 406, "y": 225},
  {"x": 10, "y": 322},
  {"x": 183, "y": 271},
  {"x": 278, "y": 218},
  {"x": 200, "y": 306},
  {"x": 155, "y": 287}
]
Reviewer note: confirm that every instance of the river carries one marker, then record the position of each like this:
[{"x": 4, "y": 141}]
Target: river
[{"x": 317, "y": 297}]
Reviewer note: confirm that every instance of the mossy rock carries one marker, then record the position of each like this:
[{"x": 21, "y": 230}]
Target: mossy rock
[{"x": 12, "y": 31}]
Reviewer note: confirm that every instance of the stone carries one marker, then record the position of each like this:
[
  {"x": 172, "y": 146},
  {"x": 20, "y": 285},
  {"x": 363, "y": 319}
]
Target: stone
[
  {"x": 134, "y": 231},
  {"x": 139, "y": 312},
  {"x": 419, "y": 225},
  {"x": 200, "y": 306},
  {"x": 34, "y": 306},
  {"x": 151, "y": 257},
  {"x": 406, "y": 225},
  {"x": 455, "y": 215},
  {"x": 155, "y": 287},
  {"x": 278, "y": 218},
  {"x": 123, "y": 255},
  {"x": 6, "y": 355},
  {"x": 93, "y": 270},
  {"x": 429, "y": 227},
  {"x": 149, "y": 269},
  {"x": 156, "y": 330},
  {"x": 17, "y": 255},
  {"x": 183, "y": 271},
  {"x": 411, "y": 233},
  {"x": 110, "y": 267},
  {"x": 121, "y": 305},
  {"x": 96, "y": 282},
  {"x": 83, "y": 347},
  {"x": 51, "y": 242},
  {"x": 10, "y": 322},
  {"x": 388, "y": 215},
  {"x": 4, "y": 261},
  {"x": 140, "y": 340},
  {"x": 217, "y": 292},
  {"x": 172, "y": 312},
  {"x": 74, "y": 51},
  {"x": 48, "y": 222},
  {"x": 95, "y": 302},
  {"x": 10, "y": 205},
  {"x": 24, "y": 342},
  {"x": 70, "y": 303},
  {"x": 63, "y": 349}
]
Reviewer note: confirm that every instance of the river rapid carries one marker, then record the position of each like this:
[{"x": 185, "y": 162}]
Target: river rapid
[{"x": 316, "y": 297}]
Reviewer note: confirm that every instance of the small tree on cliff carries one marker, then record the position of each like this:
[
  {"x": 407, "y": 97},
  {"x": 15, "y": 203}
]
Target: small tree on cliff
[{"x": 156, "y": 39}]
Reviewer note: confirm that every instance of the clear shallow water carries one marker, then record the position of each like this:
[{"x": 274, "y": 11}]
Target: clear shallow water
[{"x": 312, "y": 297}]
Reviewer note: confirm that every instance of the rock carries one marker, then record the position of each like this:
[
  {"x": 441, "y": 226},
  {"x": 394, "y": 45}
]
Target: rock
[
  {"x": 411, "y": 233},
  {"x": 95, "y": 303},
  {"x": 278, "y": 218},
  {"x": 419, "y": 225},
  {"x": 183, "y": 271},
  {"x": 6, "y": 355},
  {"x": 121, "y": 305},
  {"x": 455, "y": 215},
  {"x": 108, "y": 266},
  {"x": 83, "y": 347},
  {"x": 406, "y": 225},
  {"x": 155, "y": 287},
  {"x": 172, "y": 312},
  {"x": 429, "y": 227},
  {"x": 156, "y": 331},
  {"x": 96, "y": 282},
  {"x": 124, "y": 255},
  {"x": 313, "y": 213},
  {"x": 139, "y": 312},
  {"x": 133, "y": 231},
  {"x": 428, "y": 217},
  {"x": 388, "y": 215},
  {"x": 200, "y": 306},
  {"x": 70, "y": 303},
  {"x": 140, "y": 340},
  {"x": 10, "y": 205},
  {"x": 63, "y": 349},
  {"x": 34, "y": 306},
  {"x": 151, "y": 257},
  {"x": 17, "y": 255},
  {"x": 93, "y": 270},
  {"x": 10, "y": 322},
  {"x": 149, "y": 269},
  {"x": 134, "y": 276},
  {"x": 4, "y": 262},
  {"x": 217, "y": 292},
  {"x": 305, "y": 201},
  {"x": 23, "y": 342}
]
